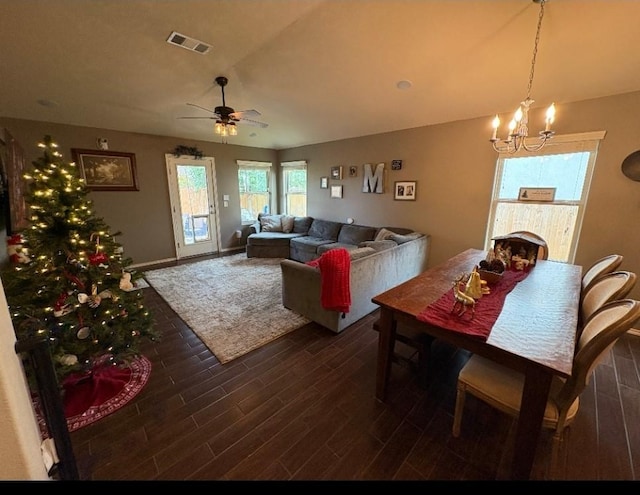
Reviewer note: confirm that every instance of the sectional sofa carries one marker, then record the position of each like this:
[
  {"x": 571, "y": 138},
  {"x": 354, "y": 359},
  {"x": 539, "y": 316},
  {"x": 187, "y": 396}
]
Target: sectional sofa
[
  {"x": 380, "y": 258},
  {"x": 305, "y": 238}
]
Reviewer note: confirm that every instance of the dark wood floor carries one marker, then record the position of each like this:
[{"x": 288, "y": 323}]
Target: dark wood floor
[{"x": 303, "y": 408}]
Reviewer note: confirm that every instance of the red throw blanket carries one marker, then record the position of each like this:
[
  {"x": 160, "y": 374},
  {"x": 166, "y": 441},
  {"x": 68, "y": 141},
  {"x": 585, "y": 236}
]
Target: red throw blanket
[
  {"x": 335, "y": 267},
  {"x": 487, "y": 308}
]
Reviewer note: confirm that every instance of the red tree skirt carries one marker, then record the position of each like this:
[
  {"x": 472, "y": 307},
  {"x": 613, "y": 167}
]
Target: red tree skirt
[{"x": 90, "y": 397}]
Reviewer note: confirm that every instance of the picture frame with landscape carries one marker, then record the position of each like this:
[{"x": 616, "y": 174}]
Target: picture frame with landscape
[{"x": 107, "y": 170}]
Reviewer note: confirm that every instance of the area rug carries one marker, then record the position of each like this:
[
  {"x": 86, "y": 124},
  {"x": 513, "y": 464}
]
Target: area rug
[
  {"x": 233, "y": 303},
  {"x": 92, "y": 396}
]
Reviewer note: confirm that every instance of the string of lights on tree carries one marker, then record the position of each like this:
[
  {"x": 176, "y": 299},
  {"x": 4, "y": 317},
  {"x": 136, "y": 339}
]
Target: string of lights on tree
[{"x": 73, "y": 284}]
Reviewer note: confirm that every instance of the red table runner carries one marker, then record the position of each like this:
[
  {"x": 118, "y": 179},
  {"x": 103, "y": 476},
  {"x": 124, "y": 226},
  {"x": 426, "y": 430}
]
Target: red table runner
[{"x": 487, "y": 308}]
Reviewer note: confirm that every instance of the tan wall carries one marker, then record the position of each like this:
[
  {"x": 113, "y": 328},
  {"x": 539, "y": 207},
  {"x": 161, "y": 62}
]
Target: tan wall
[
  {"x": 452, "y": 163},
  {"x": 454, "y": 166},
  {"x": 144, "y": 216}
]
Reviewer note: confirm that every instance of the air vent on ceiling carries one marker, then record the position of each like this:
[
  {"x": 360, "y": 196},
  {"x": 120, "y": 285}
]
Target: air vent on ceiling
[{"x": 189, "y": 43}]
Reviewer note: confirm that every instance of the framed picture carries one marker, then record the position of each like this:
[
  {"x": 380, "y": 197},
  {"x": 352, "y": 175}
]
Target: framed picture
[
  {"x": 336, "y": 172},
  {"x": 13, "y": 172},
  {"x": 353, "y": 171},
  {"x": 107, "y": 170},
  {"x": 537, "y": 194},
  {"x": 396, "y": 164},
  {"x": 324, "y": 182},
  {"x": 336, "y": 192},
  {"x": 405, "y": 191}
]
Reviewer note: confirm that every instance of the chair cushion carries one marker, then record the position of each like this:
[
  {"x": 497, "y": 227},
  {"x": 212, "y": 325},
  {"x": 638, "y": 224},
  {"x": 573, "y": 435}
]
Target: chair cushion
[{"x": 501, "y": 387}]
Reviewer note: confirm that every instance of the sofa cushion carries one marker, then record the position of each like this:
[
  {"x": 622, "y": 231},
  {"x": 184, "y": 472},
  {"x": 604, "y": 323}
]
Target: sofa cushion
[
  {"x": 305, "y": 248},
  {"x": 325, "y": 229},
  {"x": 378, "y": 245},
  {"x": 355, "y": 234},
  {"x": 271, "y": 223},
  {"x": 301, "y": 224},
  {"x": 356, "y": 254},
  {"x": 401, "y": 239},
  {"x": 287, "y": 223},
  {"x": 335, "y": 245},
  {"x": 383, "y": 234},
  {"x": 271, "y": 238}
]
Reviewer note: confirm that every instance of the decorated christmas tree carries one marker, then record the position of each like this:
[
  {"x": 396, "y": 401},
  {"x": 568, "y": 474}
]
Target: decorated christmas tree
[{"x": 71, "y": 282}]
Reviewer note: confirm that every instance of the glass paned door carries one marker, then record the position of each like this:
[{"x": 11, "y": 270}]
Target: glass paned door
[{"x": 193, "y": 206}]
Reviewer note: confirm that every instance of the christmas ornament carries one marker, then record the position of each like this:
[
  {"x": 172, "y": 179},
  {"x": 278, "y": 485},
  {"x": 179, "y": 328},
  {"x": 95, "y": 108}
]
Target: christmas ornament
[
  {"x": 97, "y": 258},
  {"x": 83, "y": 333},
  {"x": 17, "y": 254},
  {"x": 125, "y": 282}
]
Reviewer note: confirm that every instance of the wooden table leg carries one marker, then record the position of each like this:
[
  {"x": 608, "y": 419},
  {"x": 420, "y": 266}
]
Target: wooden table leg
[
  {"x": 534, "y": 399},
  {"x": 386, "y": 341}
]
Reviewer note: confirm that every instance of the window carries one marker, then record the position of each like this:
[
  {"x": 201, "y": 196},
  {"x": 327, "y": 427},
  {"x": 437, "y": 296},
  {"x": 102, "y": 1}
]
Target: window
[
  {"x": 254, "y": 182},
  {"x": 563, "y": 170},
  {"x": 294, "y": 186}
]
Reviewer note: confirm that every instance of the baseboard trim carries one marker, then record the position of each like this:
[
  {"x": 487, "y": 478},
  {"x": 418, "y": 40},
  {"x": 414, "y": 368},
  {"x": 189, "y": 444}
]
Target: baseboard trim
[
  {"x": 142, "y": 266},
  {"x": 159, "y": 263}
]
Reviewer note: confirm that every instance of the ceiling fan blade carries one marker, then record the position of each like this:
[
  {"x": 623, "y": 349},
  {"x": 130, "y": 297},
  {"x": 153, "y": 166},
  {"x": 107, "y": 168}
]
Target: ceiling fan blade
[
  {"x": 202, "y": 108},
  {"x": 252, "y": 122},
  {"x": 213, "y": 117},
  {"x": 245, "y": 113}
]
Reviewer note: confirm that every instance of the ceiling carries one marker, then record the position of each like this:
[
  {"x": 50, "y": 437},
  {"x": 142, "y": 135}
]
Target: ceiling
[{"x": 316, "y": 70}]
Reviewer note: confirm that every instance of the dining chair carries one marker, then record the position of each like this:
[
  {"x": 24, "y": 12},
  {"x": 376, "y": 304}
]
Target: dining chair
[
  {"x": 609, "y": 287},
  {"x": 604, "y": 265},
  {"x": 501, "y": 387},
  {"x": 543, "y": 250}
]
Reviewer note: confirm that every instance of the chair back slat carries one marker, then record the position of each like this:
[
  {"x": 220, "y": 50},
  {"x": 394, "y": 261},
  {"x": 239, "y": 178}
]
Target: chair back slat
[
  {"x": 601, "y": 267},
  {"x": 609, "y": 287},
  {"x": 598, "y": 336}
]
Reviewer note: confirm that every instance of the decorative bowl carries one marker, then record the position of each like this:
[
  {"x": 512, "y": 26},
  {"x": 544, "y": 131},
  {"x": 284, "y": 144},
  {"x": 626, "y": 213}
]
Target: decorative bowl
[{"x": 490, "y": 277}]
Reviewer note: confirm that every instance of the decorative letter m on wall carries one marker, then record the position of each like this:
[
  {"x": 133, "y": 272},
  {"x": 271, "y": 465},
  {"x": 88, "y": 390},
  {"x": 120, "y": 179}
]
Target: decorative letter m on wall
[{"x": 373, "y": 182}]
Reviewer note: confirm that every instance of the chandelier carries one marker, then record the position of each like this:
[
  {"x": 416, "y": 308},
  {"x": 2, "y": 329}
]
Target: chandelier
[{"x": 518, "y": 128}]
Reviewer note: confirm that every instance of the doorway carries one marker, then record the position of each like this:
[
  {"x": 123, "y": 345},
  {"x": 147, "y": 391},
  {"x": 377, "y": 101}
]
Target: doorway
[{"x": 194, "y": 208}]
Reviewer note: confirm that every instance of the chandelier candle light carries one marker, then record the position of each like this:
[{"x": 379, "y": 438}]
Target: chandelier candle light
[{"x": 518, "y": 127}]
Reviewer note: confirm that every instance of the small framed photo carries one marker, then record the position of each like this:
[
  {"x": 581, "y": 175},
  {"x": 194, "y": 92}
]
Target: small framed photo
[
  {"x": 405, "y": 191},
  {"x": 107, "y": 170},
  {"x": 353, "y": 171},
  {"x": 336, "y": 192},
  {"x": 537, "y": 194},
  {"x": 324, "y": 182},
  {"x": 396, "y": 164},
  {"x": 336, "y": 172}
]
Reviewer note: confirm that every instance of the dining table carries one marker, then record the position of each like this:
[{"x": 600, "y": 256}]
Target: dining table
[{"x": 534, "y": 333}]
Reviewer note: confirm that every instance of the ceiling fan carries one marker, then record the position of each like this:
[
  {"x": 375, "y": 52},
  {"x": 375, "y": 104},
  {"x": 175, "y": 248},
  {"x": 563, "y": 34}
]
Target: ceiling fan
[{"x": 226, "y": 117}]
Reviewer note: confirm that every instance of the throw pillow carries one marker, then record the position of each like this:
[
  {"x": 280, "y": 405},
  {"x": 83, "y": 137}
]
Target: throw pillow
[
  {"x": 383, "y": 234},
  {"x": 287, "y": 223},
  {"x": 401, "y": 239},
  {"x": 271, "y": 223},
  {"x": 360, "y": 252},
  {"x": 378, "y": 245}
]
